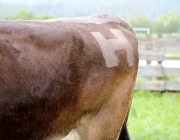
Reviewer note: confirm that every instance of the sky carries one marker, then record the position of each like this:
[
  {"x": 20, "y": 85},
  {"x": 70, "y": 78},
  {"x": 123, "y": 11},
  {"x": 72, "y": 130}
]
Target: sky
[
  {"x": 29, "y": 2},
  {"x": 152, "y": 8}
]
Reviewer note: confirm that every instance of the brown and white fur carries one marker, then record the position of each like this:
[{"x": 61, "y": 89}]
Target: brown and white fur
[{"x": 68, "y": 79}]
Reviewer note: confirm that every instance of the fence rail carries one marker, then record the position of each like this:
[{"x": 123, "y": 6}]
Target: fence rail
[{"x": 154, "y": 76}]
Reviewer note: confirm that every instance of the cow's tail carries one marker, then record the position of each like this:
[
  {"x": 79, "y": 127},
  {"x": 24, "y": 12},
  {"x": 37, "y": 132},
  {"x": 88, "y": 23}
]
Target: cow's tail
[{"x": 124, "y": 135}]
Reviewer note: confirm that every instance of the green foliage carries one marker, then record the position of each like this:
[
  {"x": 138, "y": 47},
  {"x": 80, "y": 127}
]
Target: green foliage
[
  {"x": 27, "y": 15},
  {"x": 167, "y": 23},
  {"x": 1, "y": 16},
  {"x": 22, "y": 14},
  {"x": 154, "y": 116},
  {"x": 141, "y": 21}
]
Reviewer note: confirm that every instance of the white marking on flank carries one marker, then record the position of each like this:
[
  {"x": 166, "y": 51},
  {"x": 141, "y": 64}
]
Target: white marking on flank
[{"x": 109, "y": 46}]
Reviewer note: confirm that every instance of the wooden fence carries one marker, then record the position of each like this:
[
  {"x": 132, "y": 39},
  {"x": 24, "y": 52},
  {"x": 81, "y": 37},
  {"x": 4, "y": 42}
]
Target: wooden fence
[{"x": 153, "y": 77}]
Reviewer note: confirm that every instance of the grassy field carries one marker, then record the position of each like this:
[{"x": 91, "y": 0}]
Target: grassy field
[
  {"x": 155, "y": 35},
  {"x": 154, "y": 116}
]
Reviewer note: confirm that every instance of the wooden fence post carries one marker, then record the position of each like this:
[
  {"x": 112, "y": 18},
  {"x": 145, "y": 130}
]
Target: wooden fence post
[
  {"x": 160, "y": 64},
  {"x": 159, "y": 35},
  {"x": 148, "y": 64},
  {"x": 148, "y": 36}
]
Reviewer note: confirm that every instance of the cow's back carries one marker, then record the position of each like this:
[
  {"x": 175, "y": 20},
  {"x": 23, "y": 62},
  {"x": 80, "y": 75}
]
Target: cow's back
[{"x": 59, "y": 75}]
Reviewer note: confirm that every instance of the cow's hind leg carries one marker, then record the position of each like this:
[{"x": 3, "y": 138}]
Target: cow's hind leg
[{"x": 107, "y": 123}]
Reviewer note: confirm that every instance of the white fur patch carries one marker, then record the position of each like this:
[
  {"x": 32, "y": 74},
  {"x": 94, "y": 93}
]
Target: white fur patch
[
  {"x": 109, "y": 46},
  {"x": 73, "y": 135}
]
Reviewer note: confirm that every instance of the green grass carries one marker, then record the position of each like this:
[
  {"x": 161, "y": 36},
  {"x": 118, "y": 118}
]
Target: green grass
[
  {"x": 165, "y": 78},
  {"x": 155, "y": 35},
  {"x": 172, "y": 54},
  {"x": 143, "y": 35},
  {"x": 154, "y": 116}
]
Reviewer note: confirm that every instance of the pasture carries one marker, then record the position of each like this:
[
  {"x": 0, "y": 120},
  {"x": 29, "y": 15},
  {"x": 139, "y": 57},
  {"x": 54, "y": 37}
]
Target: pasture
[
  {"x": 155, "y": 116},
  {"x": 155, "y": 35}
]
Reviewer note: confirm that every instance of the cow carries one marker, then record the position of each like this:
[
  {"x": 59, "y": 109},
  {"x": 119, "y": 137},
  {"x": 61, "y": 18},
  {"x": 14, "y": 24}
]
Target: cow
[{"x": 66, "y": 78}]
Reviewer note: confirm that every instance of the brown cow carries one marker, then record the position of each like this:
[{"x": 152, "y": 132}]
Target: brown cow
[{"x": 66, "y": 76}]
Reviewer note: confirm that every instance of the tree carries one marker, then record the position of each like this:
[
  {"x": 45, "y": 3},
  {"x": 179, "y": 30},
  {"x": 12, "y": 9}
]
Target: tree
[
  {"x": 141, "y": 21},
  {"x": 1, "y": 16},
  {"x": 27, "y": 15},
  {"x": 167, "y": 23}
]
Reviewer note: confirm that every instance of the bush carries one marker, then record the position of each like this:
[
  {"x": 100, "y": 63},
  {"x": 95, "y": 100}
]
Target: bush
[
  {"x": 168, "y": 23},
  {"x": 26, "y": 15}
]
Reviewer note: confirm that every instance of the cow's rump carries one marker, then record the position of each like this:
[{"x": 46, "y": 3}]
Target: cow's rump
[{"x": 66, "y": 74}]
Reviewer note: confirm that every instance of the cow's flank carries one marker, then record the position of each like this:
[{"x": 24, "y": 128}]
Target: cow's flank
[{"x": 66, "y": 79}]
